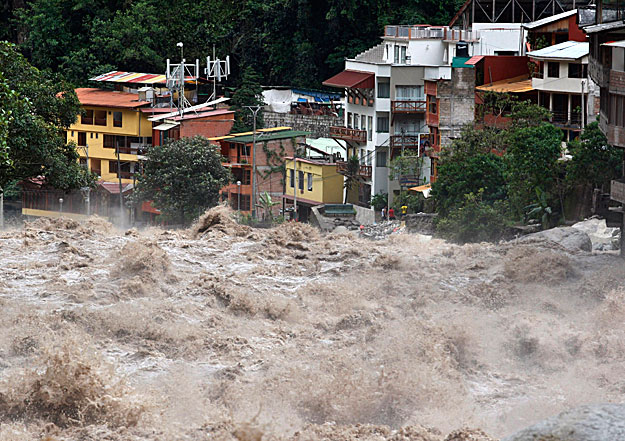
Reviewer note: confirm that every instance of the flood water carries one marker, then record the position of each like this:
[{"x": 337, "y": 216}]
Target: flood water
[{"x": 224, "y": 332}]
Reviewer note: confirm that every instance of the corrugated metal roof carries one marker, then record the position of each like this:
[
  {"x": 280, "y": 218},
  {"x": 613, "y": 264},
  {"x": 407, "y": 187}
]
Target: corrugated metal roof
[
  {"x": 618, "y": 24},
  {"x": 166, "y": 126},
  {"x": 268, "y": 136},
  {"x": 108, "y": 98},
  {"x": 116, "y": 76},
  {"x": 351, "y": 78},
  {"x": 474, "y": 60},
  {"x": 113, "y": 187},
  {"x": 615, "y": 43},
  {"x": 510, "y": 85},
  {"x": 552, "y": 19},
  {"x": 569, "y": 50}
]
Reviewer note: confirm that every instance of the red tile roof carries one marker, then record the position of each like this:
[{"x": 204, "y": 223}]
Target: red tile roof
[
  {"x": 351, "y": 78},
  {"x": 109, "y": 98}
]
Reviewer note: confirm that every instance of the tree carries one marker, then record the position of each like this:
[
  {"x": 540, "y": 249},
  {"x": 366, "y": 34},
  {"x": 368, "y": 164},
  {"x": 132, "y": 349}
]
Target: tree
[
  {"x": 182, "y": 178},
  {"x": 351, "y": 175},
  {"x": 36, "y": 110},
  {"x": 594, "y": 161},
  {"x": 469, "y": 166},
  {"x": 531, "y": 160},
  {"x": 249, "y": 93}
]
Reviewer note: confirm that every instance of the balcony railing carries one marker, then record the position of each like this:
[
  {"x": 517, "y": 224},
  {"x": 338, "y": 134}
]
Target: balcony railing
[
  {"x": 417, "y": 106},
  {"x": 242, "y": 159},
  {"x": 348, "y": 134},
  {"x": 429, "y": 33},
  {"x": 364, "y": 171},
  {"x": 412, "y": 141},
  {"x": 564, "y": 119}
]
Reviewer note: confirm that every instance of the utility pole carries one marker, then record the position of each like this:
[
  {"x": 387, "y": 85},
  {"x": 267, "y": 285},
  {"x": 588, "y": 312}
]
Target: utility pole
[
  {"x": 295, "y": 184},
  {"x": 1, "y": 208},
  {"x": 121, "y": 194},
  {"x": 254, "y": 110}
]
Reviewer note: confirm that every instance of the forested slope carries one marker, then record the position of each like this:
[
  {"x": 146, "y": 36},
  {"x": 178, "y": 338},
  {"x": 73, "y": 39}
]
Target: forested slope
[{"x": 288, "y": 42}]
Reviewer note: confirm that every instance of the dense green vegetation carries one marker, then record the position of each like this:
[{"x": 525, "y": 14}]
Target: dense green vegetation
[
  {"x": 288, "y": 42},
  {"x": 182, "y": 178},
  {"x": 36, "y": 108},
  {"x": 493, "y": 177}
]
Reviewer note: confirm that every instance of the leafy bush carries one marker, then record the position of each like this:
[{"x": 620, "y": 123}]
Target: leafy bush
[
  {"x": 379, "y": 201},
  {"x": 414, "y": 202},
  {"x": 474, "y": 220}
]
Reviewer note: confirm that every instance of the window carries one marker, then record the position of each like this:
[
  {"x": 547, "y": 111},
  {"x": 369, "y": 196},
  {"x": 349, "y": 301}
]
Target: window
[
  {"x": 310, "y": 181},
  {"x": 380, "y": 159},
  {"x": 432, "y": 108},
  {"x": 409, "y": 93},
  {"x": 300, "y": 180},
  {"x": 384, "y": 89},
  {"x": 83, "y": 162},
  {"x": 87, "y": 117},
  {"x": 292, "y": 178},
  {"x": 396, "y": 59},
  {"x": 91, "y": 135},
  {"x": 382, "y": 126},
  {"x": 553, "y": 69},
  {"x": 370, "y": 127},
  {"x": 117, "y": 119},
  {"x": 356, "y": 121},
  {"x": 363, "y": 122},
  {"x": 577, "y": 70},
  {"x": 108, "y": 142},
  {"x": 247, "y": 177},
  {"x": 402, "y": 57},
  {"x": 100, "y": 117},
  {"x": 126, "y": 171},
  {"x": 349, "y": 120},
  {"x": 82, "y": 139}
]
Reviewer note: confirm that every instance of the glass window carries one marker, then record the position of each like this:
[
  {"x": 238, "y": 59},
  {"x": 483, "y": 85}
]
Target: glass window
[
  {"x": 380, "y": 159},
  {"x": 382, "y": 126},
  {"x": 117, "y": 119},
  {"x": 300, "y": 180},
  {"x": 87, "y": 117},
  {"x": 356, "y": 120},
  {"x": 100, "y": 117},
  {"x": 553, "y": 69},
  {"x": 370, "y": 127},
  {"x": 349, "y": 120},
  {"x": 396, "y": 59},
  {"x": 292, "y": 178},
  {"x": 310, "y": 181},
  {"x": 363, "y": 122},
  {"x": 384, "y": 89},
  {"x": 82, "y": 139}
]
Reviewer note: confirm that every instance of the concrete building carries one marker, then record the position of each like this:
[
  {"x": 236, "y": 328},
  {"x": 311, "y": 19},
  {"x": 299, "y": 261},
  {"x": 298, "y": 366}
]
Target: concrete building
[
  {"x": 312, "y": 182},
  {"x": 562, "y": 85},
  {"x": 273, "y": 146}
]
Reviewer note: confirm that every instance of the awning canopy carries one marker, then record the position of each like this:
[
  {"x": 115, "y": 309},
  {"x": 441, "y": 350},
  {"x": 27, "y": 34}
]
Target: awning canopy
[
  {"x": 510, "y": 85},
  {"x": 352, "y": 79},
  {"x": 474, "y": 60},
  {"x": 166, "y": 126}
]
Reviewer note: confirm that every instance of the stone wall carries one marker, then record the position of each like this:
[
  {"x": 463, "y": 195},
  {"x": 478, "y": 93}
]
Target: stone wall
[
  {"x": 457, "y": 103},
  {"x": 318, "y": 126}
]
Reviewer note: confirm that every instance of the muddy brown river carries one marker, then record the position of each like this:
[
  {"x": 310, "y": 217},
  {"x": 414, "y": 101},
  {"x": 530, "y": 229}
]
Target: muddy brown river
[{"x": 230, "y": 333}]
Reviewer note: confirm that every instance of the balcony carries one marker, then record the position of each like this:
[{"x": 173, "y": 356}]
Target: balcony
[
  {"x": 348, "y": 134},
  {"x": 574, "y": 120},
  {"x": 238, "y": 160},
  {"x": 364, "y": 171},
  {"x": 429, "y": 33},
  {"x": 422, "y": 140},
  {"x": 417, "y": 106}
]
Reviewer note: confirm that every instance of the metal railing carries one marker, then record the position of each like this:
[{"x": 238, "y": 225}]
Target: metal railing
[
  {"x": 429, "y": 33},
  {"x": 364, "y": 171},
  {"x": 405, "y": 106},
  {"x": 563, "y": 118},
  {"x": 412, "y": 141},
  {"x": 348, "y": 134}
]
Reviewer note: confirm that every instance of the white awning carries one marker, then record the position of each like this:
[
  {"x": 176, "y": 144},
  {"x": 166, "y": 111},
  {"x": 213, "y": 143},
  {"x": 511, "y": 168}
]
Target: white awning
[{"x": 166, "y": 126}]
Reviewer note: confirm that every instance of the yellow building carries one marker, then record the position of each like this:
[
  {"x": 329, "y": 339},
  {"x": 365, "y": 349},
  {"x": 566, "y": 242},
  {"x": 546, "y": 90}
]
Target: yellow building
[
  {"x": 318, "y": 182},
  {"x": 111, "y": 121}
]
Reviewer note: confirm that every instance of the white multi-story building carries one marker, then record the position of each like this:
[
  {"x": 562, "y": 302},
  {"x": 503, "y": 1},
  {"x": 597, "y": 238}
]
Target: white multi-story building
[
  {"x": 385, "y": 101},
  {"x": 561, "y": 80}
]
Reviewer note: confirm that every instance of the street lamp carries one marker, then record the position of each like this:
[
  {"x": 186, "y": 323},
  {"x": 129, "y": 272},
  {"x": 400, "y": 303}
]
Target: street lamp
[
  {"x": 239, "y": 198},
  {"x": 254, "y": 110},
  {"x": 61, "y": 205}
]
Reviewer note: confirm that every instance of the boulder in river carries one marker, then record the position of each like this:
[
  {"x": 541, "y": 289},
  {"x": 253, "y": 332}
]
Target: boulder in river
[
  {"x": 570, "y": 238},
  {"x": 599, "y": 422}
]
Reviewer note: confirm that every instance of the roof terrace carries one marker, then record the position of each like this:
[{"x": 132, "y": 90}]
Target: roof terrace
[{"x": 426, "y": 32}]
